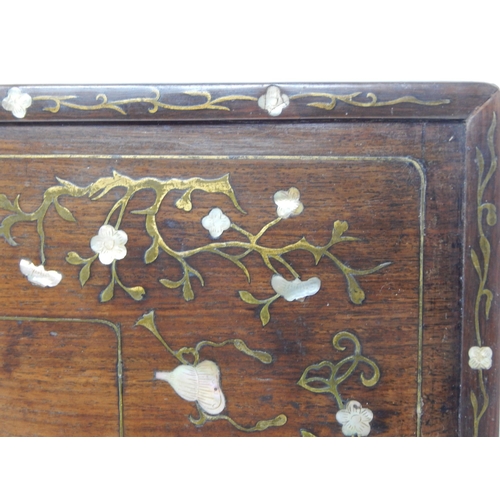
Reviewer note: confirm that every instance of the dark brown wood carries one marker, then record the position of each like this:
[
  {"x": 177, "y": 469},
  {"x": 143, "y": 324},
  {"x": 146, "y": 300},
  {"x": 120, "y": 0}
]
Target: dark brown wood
[
  {"x": 406, "y": 183},
  {"x": 241, "y": 102},
  {"x": 488, "y": 325}
]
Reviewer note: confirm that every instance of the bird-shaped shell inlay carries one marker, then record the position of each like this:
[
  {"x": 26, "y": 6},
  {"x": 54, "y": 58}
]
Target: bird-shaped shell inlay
[{"x": 199, "y": 383}]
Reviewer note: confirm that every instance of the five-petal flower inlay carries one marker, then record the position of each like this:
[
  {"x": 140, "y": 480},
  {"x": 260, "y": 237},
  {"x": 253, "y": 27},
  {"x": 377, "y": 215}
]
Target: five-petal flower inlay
[
  {"x": 288, "y": 203},
  {"x": 109, "y": 244},
  {"x": 17, "y": 102},
  {"x": 354, "y": 419}
]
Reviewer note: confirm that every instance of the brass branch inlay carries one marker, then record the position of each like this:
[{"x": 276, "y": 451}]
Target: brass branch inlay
[
  {"x": 484, "y": 177},
  {"x": 381, "y": 160},
  {"x": 161, "y": 188}
]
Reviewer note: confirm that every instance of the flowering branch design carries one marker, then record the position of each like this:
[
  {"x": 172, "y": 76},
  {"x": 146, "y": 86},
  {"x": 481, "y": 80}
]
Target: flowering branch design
[
  {"x": 109, "y": 243},
  {"x": 199, "y": 381},
  {"x": 273, "y": 101},
  {"x": 18, "y": 102},
  {"x": 113, "y": 235},
  {"x": 479, "y": 355},
  {"x": 354, "y": 419}
]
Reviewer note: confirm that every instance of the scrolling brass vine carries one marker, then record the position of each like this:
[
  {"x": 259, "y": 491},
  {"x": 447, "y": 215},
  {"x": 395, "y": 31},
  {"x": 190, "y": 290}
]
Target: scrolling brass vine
[
  {"x": 273, "y": 101},
  {"x": 480, "y": 356},
  {"x": 354, "y": 419}
]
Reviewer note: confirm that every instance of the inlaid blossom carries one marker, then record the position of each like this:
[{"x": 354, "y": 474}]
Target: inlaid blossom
[
  {"x": 216, "y": 222},
  {"x": 38, "y": 275},
  {"x": 480, "y": 358},
  {"x": 109, "y": 244},
  {"x": 200, "y": 383},
  {"x": 273, "y": 101},
  {"x": 355, "y": 419},
  {"x": 17, "y": 102},
  {"x": 296, "y": 289},
  {"x": 288, "y": 203}
]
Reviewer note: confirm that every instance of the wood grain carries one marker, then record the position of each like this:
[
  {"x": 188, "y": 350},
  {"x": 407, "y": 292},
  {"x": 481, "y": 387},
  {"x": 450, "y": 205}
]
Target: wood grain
[{"x": 404, "y": 183}]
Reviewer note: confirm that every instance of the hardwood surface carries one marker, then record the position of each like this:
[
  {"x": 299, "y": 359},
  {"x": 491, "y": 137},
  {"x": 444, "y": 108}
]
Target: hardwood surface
[{"x": 404, "y": 176}]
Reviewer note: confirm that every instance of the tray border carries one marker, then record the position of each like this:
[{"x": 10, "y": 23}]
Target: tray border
[{"x": 227, "y": 102}]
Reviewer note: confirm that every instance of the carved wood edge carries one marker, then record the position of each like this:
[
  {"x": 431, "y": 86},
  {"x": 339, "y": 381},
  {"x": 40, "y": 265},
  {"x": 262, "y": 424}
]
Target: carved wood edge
[
  {"x": 480, "y": 373},
  {"x": 270, "y": 102}
]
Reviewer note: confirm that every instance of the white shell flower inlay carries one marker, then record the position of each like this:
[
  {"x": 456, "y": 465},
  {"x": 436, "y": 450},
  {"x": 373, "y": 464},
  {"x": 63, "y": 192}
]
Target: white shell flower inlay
[
  {"x": 199, "y": 383},
  {"x": 109, "y": 244},
  {"x": 216, "y": 222},
  {"x": 273, "y": 101},
  {"x": 17, "y": 102},
  {"x": 355, "y": 419},
  {"x": 37, "y": 275},
  {"x": 288, "y": 203},
  {"x": 296, "y": 289},
  {"x": 480, "y": 358}
]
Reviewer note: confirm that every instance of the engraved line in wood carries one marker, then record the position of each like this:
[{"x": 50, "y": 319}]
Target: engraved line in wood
[
  {"x": 119, "y": 358},
  {"x": 480, "y": 356}
]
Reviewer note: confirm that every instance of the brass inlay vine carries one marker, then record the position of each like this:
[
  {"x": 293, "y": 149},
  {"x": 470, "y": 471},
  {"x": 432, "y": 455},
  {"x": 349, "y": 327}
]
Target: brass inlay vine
[
  {"x": 306, "y": 433},
  {"x": 407, "y": 161},
  {"x": 161, "y": 188},
  {"x": 154, "y": 102},
  {"x": 209, "y": 103},
  {"x": 148, "y": 321},
  {"x": 339, "y": 372},
  {"x": 482, "y": 271},
  {"x": 331, "y": 384},
  {"x": 372, "y": 102},
  {"x": 119, "y": 358}
]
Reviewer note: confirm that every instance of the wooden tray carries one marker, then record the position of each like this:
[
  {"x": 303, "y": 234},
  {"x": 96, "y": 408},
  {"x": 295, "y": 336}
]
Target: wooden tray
[{"x": 274, "y": 260}]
